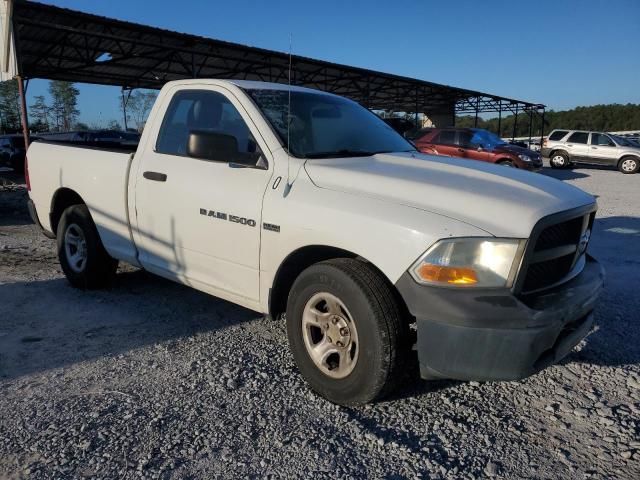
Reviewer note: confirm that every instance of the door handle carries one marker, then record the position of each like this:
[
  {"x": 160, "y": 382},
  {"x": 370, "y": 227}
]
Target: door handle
[
  {"x": 155, "y": 176},
  {"x": 594, "y": 148},
  {"x": 461, "y": 150}
]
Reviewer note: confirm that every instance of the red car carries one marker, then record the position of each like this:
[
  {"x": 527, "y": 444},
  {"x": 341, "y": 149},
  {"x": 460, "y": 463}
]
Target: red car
[{"x": 476, "y": 144}]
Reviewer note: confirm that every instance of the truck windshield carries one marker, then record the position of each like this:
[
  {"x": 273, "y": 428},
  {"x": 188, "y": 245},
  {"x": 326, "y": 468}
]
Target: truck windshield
[{"x": 326, "y": 126}]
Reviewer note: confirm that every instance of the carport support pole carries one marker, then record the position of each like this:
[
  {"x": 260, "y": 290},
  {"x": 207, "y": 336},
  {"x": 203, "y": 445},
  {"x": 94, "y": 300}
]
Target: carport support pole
[
  {"x": 515, "y": 124},
  {"x": 23, "y": 111},
  {"x": 124, "y": 110},
  {"x": 475, "y": 122},
  {"x": 500, "y": 118}
]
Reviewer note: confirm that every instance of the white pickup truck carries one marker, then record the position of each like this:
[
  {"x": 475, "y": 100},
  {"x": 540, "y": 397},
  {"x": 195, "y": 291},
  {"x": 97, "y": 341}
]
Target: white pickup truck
[{"x": 290, "y": 200}]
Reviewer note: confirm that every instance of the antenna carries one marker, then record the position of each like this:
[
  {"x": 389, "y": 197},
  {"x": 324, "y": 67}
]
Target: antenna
[{"x": 289, "y": 115}]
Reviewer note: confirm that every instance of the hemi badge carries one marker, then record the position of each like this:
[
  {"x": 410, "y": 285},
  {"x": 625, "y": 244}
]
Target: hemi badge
[{"x": 271, "y": 227}]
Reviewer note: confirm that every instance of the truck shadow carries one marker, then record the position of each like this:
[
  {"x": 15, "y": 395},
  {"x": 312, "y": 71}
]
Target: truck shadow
[
  {"x": 48, "y": 324},
  {"x": 568, "y": 174},
  {"x": 616, "y": 341}
]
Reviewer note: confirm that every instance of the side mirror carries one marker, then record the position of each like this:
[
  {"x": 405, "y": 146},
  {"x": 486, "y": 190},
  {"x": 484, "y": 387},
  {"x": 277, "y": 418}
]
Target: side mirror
[
  {"x": 480, "y": 148},
  {"x": 220, "y": 147},
  {"x": 212, "y": 146}
]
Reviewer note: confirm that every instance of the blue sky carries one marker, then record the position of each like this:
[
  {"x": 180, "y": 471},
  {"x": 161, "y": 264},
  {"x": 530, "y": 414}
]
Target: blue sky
[{"x": 561, "y": 53}]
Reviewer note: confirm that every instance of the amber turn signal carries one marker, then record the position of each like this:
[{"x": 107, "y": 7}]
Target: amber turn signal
[{"x": 451, "y": 275}]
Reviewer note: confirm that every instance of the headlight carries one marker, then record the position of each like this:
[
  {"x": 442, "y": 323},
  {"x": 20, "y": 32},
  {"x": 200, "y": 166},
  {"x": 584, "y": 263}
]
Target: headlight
[
  {"x": 470, "y": 262},
  {"x": 525, "y": 158}
]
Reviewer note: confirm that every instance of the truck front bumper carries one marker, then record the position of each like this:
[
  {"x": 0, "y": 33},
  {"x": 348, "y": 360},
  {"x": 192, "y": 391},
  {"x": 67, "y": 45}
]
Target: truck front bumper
[{"x": 489, "y": 335}]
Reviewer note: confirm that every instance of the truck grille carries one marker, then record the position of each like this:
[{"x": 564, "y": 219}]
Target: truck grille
[
  {"x": 554, "y": 253},
  {"x": 543, "y": 274},
  {"x": 560, "y": 234}
]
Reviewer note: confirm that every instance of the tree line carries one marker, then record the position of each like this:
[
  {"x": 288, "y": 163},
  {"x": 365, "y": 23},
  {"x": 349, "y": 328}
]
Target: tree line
[
  {"x": 606, "y": 118},
  {"x": 59, "y": 112}
]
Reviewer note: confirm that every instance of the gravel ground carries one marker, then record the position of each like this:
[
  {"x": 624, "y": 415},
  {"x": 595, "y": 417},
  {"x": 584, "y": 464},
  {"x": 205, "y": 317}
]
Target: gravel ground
[{"x": 154, "y": 380}]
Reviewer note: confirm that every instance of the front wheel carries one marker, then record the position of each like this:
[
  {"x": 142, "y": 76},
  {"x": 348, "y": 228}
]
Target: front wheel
[
  {"x": 629, "y": 165},
  {"x": 507, "y": 163},
  {"x": 346, "y": 331},
  {"x": 85, "y": 262}
]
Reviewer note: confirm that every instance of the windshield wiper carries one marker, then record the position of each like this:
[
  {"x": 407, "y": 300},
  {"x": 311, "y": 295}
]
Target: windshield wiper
[{"x": 340, "y": 153}]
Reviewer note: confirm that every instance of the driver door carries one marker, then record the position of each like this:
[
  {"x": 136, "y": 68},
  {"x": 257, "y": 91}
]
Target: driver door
[{"x": 198, "y": 221}]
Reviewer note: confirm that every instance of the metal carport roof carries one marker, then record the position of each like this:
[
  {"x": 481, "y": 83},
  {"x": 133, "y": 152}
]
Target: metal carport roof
[{"x": 61, "y": 44}]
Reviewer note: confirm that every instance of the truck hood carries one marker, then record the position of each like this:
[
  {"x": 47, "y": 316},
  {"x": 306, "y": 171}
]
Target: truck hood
[{"x": 504, "y": 202}]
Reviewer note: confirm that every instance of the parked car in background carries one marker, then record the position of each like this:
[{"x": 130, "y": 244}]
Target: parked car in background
[
  {"x": 476, "y": 144},
  {"x": 567, "y": 147},
  {"x": 12, "y": 152},
  {"x": 113, "y": 137},
  {"x": 400, "y": 125},
  {"x": 518, "y": 143},
  {"x": 535, "y": 146}
]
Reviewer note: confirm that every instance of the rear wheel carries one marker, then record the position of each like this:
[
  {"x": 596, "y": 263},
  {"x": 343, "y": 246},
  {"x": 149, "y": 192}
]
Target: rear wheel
[
  {"x": 629, "y": 165},
  {"x": 85, "y": 262},
  {"x": 347, "y": 332},
  {"x": 559, "y": 160}
]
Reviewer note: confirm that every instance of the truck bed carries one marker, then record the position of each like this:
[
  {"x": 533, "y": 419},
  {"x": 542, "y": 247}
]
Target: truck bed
[{"x": 98, "y": 174}]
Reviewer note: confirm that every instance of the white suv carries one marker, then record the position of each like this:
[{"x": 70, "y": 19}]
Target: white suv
[{"x": 566, "y": 147}]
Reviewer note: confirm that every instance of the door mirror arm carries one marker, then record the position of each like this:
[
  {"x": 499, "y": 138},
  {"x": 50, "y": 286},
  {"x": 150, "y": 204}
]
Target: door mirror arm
[{"x": 249, "y": 160}]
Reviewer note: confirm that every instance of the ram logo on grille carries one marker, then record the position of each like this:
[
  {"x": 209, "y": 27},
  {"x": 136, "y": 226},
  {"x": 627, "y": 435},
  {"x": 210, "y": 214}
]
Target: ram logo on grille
[{"x": 584, "y": 241}]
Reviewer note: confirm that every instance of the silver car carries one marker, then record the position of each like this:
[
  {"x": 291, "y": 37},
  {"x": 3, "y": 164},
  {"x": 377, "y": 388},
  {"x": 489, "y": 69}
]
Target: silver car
[{"x": 567, "y": 147}]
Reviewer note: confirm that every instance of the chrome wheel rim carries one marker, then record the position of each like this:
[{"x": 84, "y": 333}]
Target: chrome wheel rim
[
  {"x": 330, "y": 335},
  {"x": 558, "y": 160},
  {"x": 75, "y": 246},
  {"x": 629, "y": 165}
]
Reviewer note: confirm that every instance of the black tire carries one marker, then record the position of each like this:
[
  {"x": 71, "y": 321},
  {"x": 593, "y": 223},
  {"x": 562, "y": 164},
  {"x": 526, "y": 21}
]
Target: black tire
[
  {"x": 98, "y": 268},
  {"x": 507, "y": 163},
  {"x": 382, "y": 330},
  {"x": 628, "y": 165},
  {"x": 559, "y": 160}
]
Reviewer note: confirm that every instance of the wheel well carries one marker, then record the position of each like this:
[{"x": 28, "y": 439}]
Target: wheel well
[
  {"x": 553, "y": 152},
  {"x": 504, "y": 160},
  {"x": 628, "y": 156},
  {"x": 299, "y": 260},
  {"x": 62, "y": 199},
  {"x": 292, "y": 266}
]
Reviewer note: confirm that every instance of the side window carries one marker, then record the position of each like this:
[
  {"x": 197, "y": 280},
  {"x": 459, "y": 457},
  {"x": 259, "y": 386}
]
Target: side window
[
  {"x": 446, "y": 137},
  {"x": 579, "y": 137},
  {"x": 601, "y": 140},
  {"x": 201, "y": 110},
  {"x": 558, "y": 135},
  {"x": 464, "y": 139}
]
